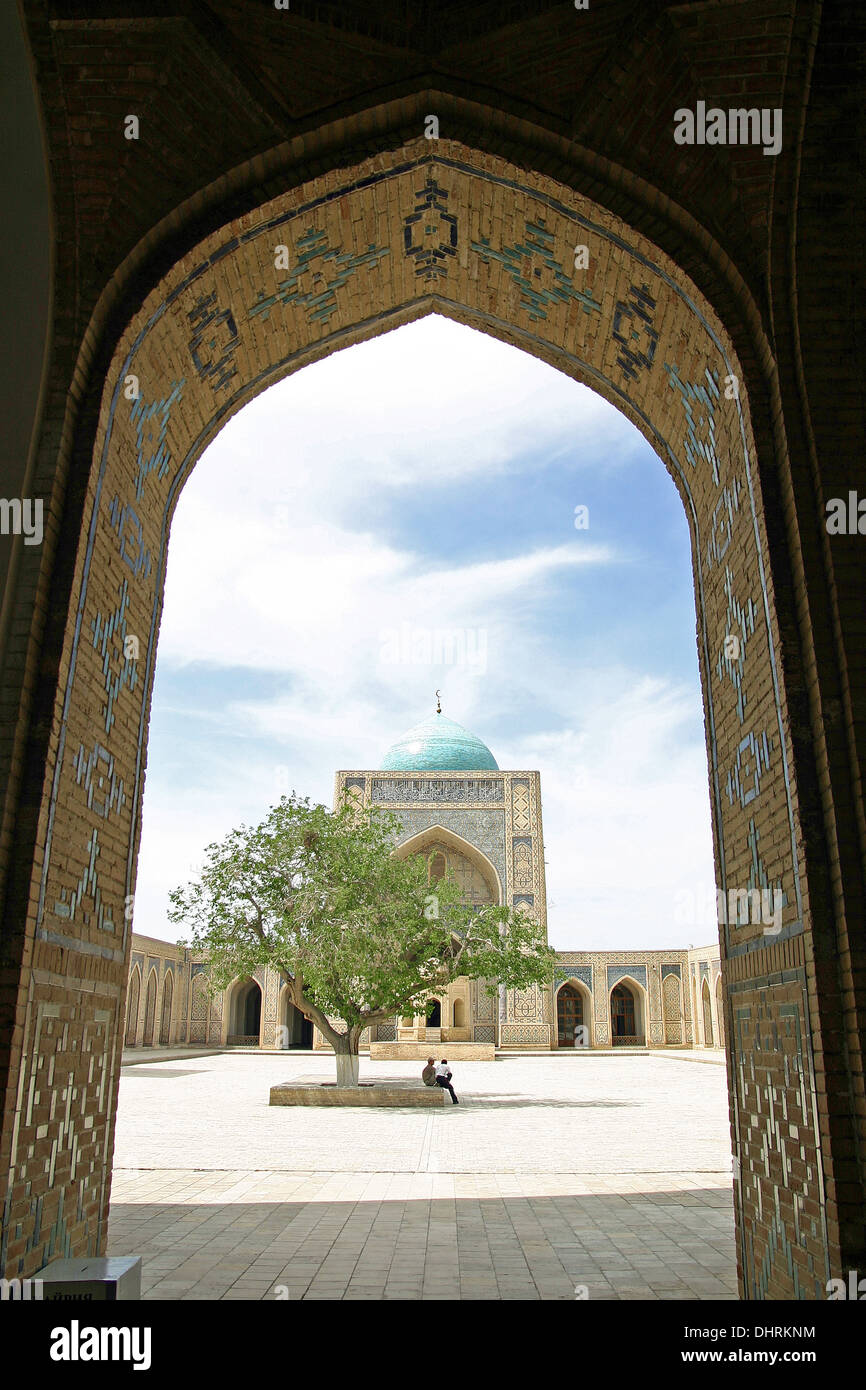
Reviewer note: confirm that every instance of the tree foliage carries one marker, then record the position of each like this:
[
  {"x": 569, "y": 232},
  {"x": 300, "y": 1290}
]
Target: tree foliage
[{"x": 359, "y": 934}]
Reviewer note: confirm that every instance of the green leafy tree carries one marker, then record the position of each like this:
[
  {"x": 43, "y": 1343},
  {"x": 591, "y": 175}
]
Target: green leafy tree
[{"x": 360, "y": 934}]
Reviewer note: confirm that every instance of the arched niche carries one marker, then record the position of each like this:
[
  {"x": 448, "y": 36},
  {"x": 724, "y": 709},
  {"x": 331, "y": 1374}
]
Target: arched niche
[
  {"x": 566, "y": 1019},
  {"x": 628, "y": 1007},
  {"x": 461, "y": 856}
]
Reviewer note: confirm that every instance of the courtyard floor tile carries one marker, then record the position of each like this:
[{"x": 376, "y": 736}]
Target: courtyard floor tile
[{"x": 608, "y": 1173}]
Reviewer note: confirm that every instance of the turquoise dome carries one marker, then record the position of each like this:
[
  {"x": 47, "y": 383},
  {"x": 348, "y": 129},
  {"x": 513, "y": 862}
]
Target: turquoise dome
[{"x": 437, "y": 744}]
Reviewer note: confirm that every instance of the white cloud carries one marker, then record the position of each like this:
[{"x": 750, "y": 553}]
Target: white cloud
[{"x": 626, "y": 822}]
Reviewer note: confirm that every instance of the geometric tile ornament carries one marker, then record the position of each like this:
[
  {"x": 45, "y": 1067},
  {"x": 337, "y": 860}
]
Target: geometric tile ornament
[
  {"x": 753, "y": 759},
  {"x": 632, "y": 360},
  {"x": 438, "y": 234},
  {"x": 59, "y": 1103},
  {"x": 105, "y": 786},
  {"x": 520, "y": 816},
  {"x": 308, "y": 284},
  {"x": 774, "y": 1121},
  {"x": 152, "y": 454},
  {"x": 573, "y": 972},
  {"x": 722, "y": 523},
  {"x": 125, "y": 522},
  {"x": 742, "y": 620},
  {"x": 534, "y": 269},
  {"x": 699, "y": 403},
  {"x": 209, "y": 324},
  {"x": 109, "y": 637},
  {"x": 87, "y": 887},
  {"x": 619, "y": 972}
]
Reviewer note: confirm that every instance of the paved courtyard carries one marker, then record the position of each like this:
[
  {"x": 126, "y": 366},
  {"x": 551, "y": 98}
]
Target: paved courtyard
[{"x": 607, "y": 1175}]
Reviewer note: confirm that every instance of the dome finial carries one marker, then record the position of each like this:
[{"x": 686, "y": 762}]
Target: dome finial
[{"x": 438, "y": 703}]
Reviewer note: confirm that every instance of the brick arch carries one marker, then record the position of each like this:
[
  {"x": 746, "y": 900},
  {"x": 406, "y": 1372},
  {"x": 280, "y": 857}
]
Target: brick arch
[
  {"x": 641, "y": 1004},
  {"x": 438, "y": 838},
  {"x": 400, "y": 235},
  {"x": 585, "y": 993}
]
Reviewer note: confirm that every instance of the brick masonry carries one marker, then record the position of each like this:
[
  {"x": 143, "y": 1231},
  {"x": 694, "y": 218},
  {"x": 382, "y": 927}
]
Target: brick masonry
[{"x": 380, "y": 226}]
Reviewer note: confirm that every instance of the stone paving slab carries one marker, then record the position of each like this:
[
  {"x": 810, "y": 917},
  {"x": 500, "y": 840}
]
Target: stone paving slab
[
  {"x": 289, "y": 1236},
  {"x": 610, "y": 1179},
  {"x": 638, "y": 1114}
]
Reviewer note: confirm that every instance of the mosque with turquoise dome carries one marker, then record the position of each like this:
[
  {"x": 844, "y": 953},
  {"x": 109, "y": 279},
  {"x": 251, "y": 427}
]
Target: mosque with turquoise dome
[{"x": 482, "y": 825}]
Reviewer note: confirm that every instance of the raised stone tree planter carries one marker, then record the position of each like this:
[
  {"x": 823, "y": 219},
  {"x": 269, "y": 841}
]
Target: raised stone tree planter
[{"x": 314, "y": 1091}]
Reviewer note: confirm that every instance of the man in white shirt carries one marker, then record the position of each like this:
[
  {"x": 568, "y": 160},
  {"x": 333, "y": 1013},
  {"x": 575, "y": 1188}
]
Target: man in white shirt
[{"x": 443, "y": 1078}]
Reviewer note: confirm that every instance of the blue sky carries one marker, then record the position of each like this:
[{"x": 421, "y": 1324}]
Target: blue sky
[{"x": 427, "y": 481}]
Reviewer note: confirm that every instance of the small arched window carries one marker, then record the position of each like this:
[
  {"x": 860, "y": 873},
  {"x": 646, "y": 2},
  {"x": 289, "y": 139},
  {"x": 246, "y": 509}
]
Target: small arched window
[{"x": 437, "y": 866}]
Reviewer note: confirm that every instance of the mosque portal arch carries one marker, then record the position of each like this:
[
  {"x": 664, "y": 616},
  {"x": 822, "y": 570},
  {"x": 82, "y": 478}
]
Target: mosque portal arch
[
  {"x": 447, "y": 852},
  {"x": 666, "y": 329},
  {"x": 244, "y": 1013}
]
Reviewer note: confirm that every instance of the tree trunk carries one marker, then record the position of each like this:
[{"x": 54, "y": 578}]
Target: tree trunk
[
  {"x": 345, "y": 1047},
  {"x": 347, "y": 1068}
]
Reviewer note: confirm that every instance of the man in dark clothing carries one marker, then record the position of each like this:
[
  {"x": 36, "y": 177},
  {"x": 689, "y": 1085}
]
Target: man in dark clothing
[{"x": 443, "y": 1078}]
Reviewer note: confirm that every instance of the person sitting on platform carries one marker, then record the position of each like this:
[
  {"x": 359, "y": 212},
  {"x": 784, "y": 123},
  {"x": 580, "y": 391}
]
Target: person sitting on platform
[{"x": 443, "y": 1078}]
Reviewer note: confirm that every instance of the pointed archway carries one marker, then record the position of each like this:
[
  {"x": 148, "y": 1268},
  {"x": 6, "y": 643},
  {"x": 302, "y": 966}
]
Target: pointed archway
[{"x": 207, "y": 332}]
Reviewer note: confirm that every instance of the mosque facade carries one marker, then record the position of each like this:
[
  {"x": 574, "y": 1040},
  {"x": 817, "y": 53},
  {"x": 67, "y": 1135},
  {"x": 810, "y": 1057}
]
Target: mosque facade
[{"x": 482, "y": 825}]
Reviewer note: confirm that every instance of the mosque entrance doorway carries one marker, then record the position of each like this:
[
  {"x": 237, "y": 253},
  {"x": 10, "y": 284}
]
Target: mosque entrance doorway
[
  {"x": 295, "y": 1031},
  {"x": 245, "y": 1015},
  {"x": 569, "y": 1016},
  {"x": 622, "y": 1015}
]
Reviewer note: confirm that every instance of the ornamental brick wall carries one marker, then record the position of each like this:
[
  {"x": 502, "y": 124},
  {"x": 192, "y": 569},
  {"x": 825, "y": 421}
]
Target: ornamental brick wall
[{"x": 703, "y": 267}]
